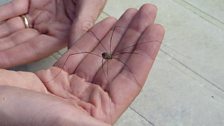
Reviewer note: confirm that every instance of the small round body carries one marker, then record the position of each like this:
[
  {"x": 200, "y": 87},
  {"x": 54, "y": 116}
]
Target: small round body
[{"x": 107, "y": 56}]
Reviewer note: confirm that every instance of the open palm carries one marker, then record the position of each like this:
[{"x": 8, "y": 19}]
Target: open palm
[
  {"x": 78, "y": 90},
  {"x": 103, "y": 92},
  {"x": 51, "y": 22}
]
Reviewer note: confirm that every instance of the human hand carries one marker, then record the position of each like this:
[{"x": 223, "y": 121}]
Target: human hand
[
  {"x": 26, "y": 101},
  {"x": 50, "y": 24},
  {"x": 22, "y": 107},
  {"x": 103, "y": 87},
  {"x": 78, "y": 91}
]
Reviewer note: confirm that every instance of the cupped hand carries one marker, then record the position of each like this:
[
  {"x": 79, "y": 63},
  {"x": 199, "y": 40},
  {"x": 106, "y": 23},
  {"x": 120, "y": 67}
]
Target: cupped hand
[
  {"x": 50, "y": 21},
  {"x": 85, "y": 88}
]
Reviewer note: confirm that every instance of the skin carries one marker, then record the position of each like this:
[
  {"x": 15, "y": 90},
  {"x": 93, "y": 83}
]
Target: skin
[
  {"x": 75, "y": 92},
  {"x": 52, "y": 22}
]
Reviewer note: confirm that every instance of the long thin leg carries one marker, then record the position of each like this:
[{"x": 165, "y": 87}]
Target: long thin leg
[
  {"x": 111, "y": 39},
  {"x": 107, "y": 69},
  {"x": 66, "y": 62},
  {"x": 77, "y": 54},
  {"x": 105, "y": 87},
  {"x": 125, "y": 65},
  {"x": 122, "y": 53},
  {"x": 134, "y": 45},
  {"x": 98, "y": 40}
]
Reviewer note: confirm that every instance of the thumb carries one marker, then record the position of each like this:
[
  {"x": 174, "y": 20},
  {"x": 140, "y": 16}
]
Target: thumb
[{"x": 87, "y": 13}]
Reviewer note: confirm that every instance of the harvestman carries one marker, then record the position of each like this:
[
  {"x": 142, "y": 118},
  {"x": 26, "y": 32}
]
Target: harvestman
[{"x": 108, "y": 55}]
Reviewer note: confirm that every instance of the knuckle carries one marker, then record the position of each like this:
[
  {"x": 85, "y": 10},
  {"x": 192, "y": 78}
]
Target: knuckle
[
  {"x": 119, "y": 30},
  {"x": 86, "y": 25}
]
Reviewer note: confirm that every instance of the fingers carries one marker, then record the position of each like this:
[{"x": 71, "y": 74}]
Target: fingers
[
  {"x": 33, "y": 50},
  {"x": 145, "y": 17},
  {"x": 17, "y": 38},
  {"x": 147, "y": 49},
  {"x": 132, "y": 78},
  {"x": 84, "y": 45},
  {"x": 88, "y": 11},
  {"x": 91, "y": 64},
  {"x": 10, "y": 26},
  {"x": 13, "y": 9}
]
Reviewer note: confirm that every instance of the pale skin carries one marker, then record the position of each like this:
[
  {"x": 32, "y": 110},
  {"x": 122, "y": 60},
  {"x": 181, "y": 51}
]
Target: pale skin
[
  {"x": 52, "y": 23},
  {"x": 79, "y": 95}
]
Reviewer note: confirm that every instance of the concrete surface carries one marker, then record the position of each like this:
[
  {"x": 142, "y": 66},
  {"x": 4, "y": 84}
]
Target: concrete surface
[{"x": 186, "y": 84}]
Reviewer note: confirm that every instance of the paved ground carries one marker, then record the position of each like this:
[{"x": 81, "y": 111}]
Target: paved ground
[{"x": 186, "y": 85}]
